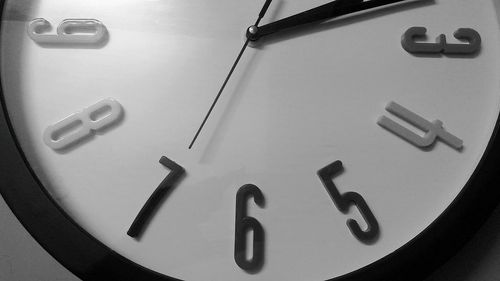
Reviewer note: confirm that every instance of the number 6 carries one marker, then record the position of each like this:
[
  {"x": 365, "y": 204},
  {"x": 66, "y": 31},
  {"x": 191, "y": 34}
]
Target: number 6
[{"x": 245, "y": 224}]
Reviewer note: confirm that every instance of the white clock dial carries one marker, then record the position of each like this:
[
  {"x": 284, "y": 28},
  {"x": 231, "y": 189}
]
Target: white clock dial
[{"x": 297, "y": 102}]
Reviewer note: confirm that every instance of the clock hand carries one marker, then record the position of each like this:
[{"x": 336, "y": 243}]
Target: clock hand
[
  {"x": 327, "y": 11},
  {"x": 245, "y": 45}
]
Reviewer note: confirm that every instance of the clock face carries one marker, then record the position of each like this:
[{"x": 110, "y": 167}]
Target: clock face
[{"x": 331, "y": 146}]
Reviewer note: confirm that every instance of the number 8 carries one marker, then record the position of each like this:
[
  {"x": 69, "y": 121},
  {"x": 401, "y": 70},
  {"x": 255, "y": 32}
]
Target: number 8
[{"x": 62, "y": 134}]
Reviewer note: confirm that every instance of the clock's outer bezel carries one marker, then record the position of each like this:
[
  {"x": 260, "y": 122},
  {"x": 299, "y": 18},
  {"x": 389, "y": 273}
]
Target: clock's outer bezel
[{"x": 89, "y": 259}]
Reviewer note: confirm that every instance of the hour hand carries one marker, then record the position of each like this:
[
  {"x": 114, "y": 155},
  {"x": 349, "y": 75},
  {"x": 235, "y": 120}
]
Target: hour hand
[{"x": 327, "y": 11}]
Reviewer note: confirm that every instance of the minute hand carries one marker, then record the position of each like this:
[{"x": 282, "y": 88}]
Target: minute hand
[{"x": 327, "y": 11}]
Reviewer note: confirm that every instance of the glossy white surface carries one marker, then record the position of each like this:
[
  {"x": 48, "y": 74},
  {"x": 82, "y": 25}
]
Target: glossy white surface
[{"x": 294, "y": 105}]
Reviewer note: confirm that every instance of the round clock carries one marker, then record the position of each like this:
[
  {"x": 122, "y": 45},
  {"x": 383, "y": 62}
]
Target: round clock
[{"x": 250, "y": 140}]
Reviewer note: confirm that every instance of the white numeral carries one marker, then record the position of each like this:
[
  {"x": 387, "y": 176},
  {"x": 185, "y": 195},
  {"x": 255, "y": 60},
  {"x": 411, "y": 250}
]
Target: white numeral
[
  {"x": 79, "y": 125},
  {"x": 70, "y": 31},
  {"x": 433, "y": 130}
]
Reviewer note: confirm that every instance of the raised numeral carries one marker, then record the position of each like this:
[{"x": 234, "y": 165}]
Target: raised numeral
[
  {"x": 171, "y": 180},
  {"x": 70, "y": 31},
  {"x": 433, "y": 130},
  {"x": 344, "y": 201},
  {"x": 245, "y": 224},
  {"x": 80, "y": 125},
  {"x": 469, "y": 35}
]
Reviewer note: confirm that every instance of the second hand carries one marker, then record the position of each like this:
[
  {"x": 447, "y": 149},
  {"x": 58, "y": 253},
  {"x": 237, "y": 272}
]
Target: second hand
[{"x": 245, "y": 45}]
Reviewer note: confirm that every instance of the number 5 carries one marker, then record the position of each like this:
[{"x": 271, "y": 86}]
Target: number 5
[{"x": 346, "y": 200}]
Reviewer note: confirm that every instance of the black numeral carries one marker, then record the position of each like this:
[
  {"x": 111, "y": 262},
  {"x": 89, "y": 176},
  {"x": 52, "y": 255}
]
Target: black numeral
[
  {"x": 243, "y": 225},
  {"x": 471, "y": 46},
  {"x": 172, "y": 179},
  {"x": 346, "y": 200}
]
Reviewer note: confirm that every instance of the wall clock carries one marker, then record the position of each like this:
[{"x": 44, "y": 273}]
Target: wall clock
[{"x": 250, "y": 140}]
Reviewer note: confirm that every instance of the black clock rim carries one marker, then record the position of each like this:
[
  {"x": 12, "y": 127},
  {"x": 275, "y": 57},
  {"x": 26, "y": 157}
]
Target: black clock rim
[{"x": 89, "y": 259}]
